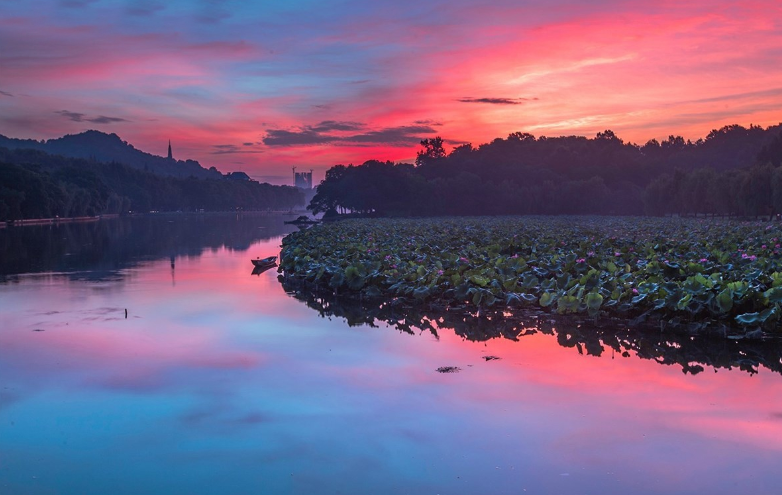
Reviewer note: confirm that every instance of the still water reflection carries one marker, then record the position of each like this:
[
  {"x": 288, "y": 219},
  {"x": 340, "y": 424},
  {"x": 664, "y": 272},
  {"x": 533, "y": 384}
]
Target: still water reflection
[{"x": 219, "y": 382}]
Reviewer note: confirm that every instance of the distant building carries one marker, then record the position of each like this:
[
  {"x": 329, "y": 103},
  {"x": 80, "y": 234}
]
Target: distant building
[
  {"x": 302, "y": 180},
  {"x": 238, "y": 176},
  {"x": 170, "y": 155}
]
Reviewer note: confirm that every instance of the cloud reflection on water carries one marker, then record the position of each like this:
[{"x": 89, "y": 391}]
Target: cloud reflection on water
[{"x": 222, "y": 383}]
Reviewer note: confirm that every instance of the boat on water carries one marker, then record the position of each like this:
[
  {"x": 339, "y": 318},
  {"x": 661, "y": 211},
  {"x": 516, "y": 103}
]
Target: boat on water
[{"x": 264, "y": 262}]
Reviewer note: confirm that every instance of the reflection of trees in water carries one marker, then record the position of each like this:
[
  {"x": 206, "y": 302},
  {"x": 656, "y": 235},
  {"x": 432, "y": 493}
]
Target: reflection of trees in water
[
  {"x": 99, "y": 250},
  {"x": 692, "y": 352}
]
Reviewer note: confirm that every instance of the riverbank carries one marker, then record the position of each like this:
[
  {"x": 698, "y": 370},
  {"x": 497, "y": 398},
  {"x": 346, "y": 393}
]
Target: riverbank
[
  {"x": 54, "y": 221},
  {"x": 61, "y": 220},
  {"x": 692, "y": 275}
]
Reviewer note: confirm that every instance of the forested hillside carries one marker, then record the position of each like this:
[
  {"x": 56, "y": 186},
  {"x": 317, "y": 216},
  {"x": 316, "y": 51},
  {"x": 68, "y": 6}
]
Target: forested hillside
[
  {"x": 106, "y": 148},
  {"x": 34, "y": 184}
]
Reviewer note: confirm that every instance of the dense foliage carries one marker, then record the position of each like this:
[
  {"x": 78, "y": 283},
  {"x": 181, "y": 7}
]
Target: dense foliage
[
  {"x": 754, "y": 191},
  {"x": 523, "y": 174},
  {"x": 675, "y": 270},
  {"x": 37, "y": 185}
]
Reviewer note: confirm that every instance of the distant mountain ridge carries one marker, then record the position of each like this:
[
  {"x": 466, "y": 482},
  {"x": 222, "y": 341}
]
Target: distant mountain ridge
[{"x": 107, "y": 148}]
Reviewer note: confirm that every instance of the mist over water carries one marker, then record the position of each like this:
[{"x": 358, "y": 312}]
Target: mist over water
[{"x": 218, "y": 381}]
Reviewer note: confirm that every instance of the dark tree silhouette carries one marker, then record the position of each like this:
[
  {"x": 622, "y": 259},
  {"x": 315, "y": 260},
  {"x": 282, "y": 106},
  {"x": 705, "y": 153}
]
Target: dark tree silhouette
[
  {"x": 433, "y": 150},
  {"x": 723, "y": 174}
]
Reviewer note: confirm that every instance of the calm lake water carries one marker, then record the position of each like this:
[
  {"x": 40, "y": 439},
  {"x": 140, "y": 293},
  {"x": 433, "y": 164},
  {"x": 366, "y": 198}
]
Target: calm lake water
[{"x": 218, "y": 382}]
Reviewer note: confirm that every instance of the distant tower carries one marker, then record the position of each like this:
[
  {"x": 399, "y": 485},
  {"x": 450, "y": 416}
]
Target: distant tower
[
  {"x": 170, "y": 155},
  {"x": 302, "y": 180}
]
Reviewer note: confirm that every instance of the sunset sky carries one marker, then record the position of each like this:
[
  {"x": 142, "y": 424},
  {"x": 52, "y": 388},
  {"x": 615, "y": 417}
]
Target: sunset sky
[{"x": 263, "y": 86}]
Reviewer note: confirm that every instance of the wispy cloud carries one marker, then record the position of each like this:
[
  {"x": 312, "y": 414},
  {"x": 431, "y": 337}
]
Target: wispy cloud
[
  {"x": 281, "y": 137},
  {"x": 102, "y": 119},
  {"x": 76, "y": 4},
  {"x": 333, "y": 125},
  {"x": 234, "y": 149},
  {"x": 429, "y": 122},
  {"x": 323, "y": 133},
  {"x": 6, "y": 93},
  {"x": 741, "y": 96},
  {"x": 80, "y": 117},
  {"x": 145, "y": 8},
  {"x": 569, "y": 67},
  {"x": 494, "y": 101}
]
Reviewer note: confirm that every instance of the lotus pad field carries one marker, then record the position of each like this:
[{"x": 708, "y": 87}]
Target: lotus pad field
[{"x": 713, "y": 273}]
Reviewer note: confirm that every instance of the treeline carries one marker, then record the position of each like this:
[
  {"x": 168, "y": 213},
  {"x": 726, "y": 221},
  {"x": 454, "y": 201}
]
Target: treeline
[
  {"x": 523, "y": 174},
  {"x": 37, "y": 185},
  {"x": 756, "y": 191}
]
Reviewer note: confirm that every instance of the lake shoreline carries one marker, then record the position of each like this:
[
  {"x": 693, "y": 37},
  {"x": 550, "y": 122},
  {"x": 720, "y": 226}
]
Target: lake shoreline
[{"x": 108, "y": 216}]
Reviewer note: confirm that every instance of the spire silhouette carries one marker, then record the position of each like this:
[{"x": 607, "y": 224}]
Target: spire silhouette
[{"x": 170, "y": 155}]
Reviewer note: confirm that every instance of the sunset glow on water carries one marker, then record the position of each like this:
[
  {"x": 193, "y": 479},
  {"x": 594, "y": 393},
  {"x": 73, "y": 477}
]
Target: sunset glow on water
[{"x": 220, "y": 382}]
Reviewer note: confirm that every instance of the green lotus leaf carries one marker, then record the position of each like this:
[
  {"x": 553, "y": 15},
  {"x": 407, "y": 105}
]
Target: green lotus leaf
[
  {"x": 593, "y": 300},
  {"x": 754, "y": 319},
  {"x": 547, "y": 299},
  {"x": 725, "y": 300},
  {"x": 684, "y": 301},
  {"x": 774, "y": 295},
  {"x": 567, "y": 304}
]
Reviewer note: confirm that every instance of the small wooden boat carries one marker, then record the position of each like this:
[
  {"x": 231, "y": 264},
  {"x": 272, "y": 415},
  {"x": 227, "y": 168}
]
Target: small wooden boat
[{"x": 264, "y": 262}]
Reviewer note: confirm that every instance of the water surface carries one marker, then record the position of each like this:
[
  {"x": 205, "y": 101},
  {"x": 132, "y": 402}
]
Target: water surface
[{"x": 219, "y": 382}]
